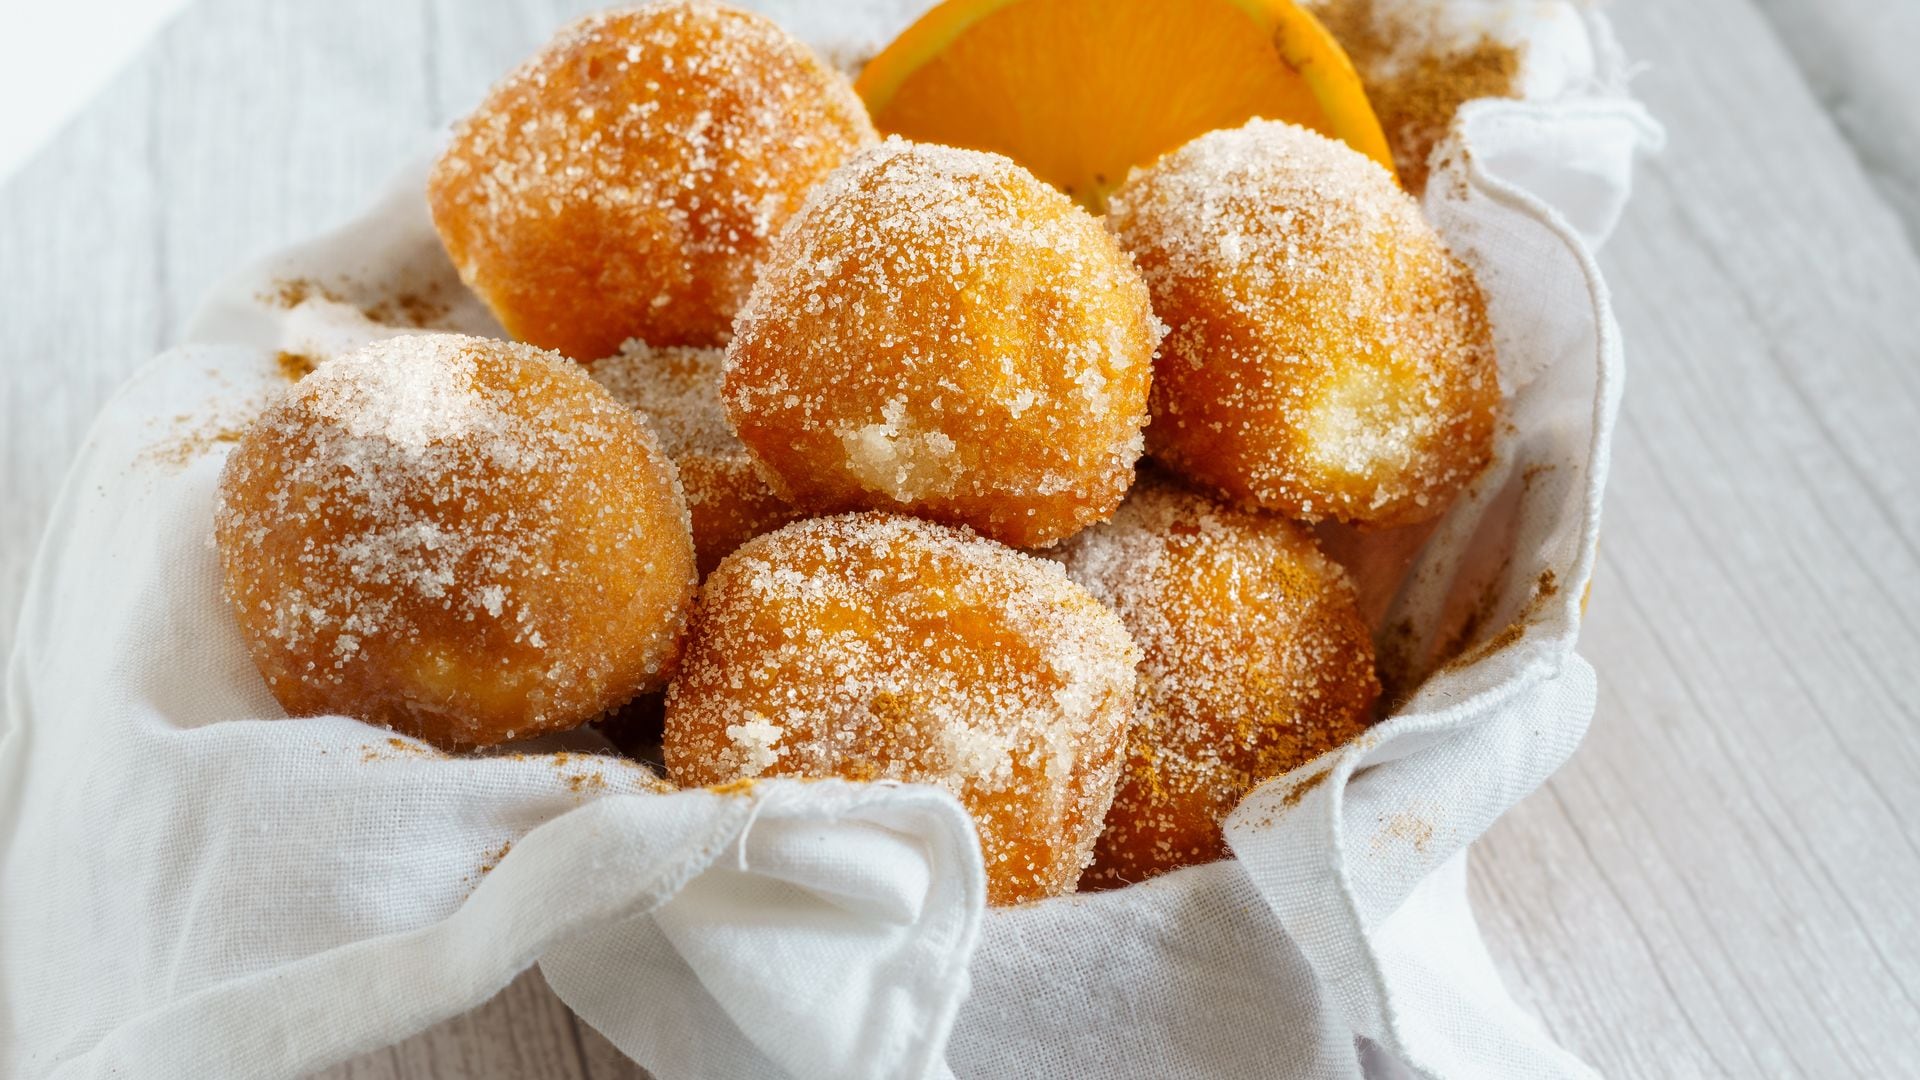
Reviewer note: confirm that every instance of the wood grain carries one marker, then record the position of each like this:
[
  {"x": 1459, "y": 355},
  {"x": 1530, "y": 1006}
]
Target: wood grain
[
  {"x": 1719, "y": 884},
  {"x": 524, "y": 1032},
  {"x": 1857, "y": 57}
]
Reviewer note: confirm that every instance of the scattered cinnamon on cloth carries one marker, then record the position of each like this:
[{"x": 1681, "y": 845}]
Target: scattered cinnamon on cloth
[{"x": 1416, "y": 76}]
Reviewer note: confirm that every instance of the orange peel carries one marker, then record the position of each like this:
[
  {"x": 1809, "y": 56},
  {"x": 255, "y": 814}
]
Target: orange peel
[{"x": 1081, "y": 91}]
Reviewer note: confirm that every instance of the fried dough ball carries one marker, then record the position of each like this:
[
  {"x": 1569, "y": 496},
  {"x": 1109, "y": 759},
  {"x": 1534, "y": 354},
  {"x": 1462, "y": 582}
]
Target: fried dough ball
[
  {"x": 940, "y": 333},
  {"x": 1256, "y": 662},
  {"x": 1327, "y": 357},
  {"x": 878, "y": 647},
  {"x": 465, "y": 540},
  {"x": 678, "y": 390},
  {"x": 626, "y": 181}
]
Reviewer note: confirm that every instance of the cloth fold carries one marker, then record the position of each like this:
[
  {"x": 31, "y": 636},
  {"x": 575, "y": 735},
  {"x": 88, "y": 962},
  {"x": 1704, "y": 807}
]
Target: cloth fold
[{"x": 193, "y": 885}]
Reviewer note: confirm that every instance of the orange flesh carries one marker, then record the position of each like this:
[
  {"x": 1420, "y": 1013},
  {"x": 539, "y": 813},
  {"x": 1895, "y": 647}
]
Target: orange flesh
[{"x": 1080, "y": 91}]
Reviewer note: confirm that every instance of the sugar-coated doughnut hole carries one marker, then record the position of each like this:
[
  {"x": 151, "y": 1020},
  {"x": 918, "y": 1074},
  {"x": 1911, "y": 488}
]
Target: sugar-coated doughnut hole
[
  {"x": 940, "y": 333},
  {"x": 878, "y": 647},
  {"x": 462, "y": 539},
  {"x": 678, "y": 390},
  {"x": 1327, "y": 356},
  {"x": 1256, "y": 661},
  {"x": 626, "y": 181}
]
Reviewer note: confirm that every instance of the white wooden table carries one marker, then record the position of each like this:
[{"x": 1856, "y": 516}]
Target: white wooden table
[{"x": 1725, "y": 879}]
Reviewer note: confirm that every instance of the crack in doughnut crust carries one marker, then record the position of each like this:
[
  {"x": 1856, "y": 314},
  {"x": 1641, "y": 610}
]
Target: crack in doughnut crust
[
  {"x": 461, "y": 539},
  {"x": 878, "y": 647},
  {"x": 678, "y": 390},
  {"x": 939, "y": 333},
  {"x": 627, "y": 180},
  {"x": 1256, "y": 661},
  {"x": 1327, "y": 358}
]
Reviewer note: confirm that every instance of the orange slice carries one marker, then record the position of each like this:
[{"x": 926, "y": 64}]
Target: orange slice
[{"x": 1080, "y": 91}]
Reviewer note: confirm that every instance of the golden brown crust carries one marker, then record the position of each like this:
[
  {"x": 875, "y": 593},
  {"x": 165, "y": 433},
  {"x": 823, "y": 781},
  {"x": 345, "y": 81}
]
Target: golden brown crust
[
  {"x": 940, "y": 333},
  {"x": 877, "y": 647},
  {"x": 1327, "y": 357},
  {"x": 461, "y": 539},
  {"x": 678, "y": 390},
  {"x": 1256, "y": 661},
  {"x": 627, "y": 180}
]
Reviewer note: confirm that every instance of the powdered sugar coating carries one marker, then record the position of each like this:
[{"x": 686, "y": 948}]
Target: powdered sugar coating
[
  {"x": 627, "y": 180},
  {"x": 939, "y": 332},
  {"x": 462, "y": 539},
  {"x": 678, "y": 390},
  {"x": 1327, "y": 356},
  {"x": 878, "y": 647},
  {"x": 1256, "y": 660}
]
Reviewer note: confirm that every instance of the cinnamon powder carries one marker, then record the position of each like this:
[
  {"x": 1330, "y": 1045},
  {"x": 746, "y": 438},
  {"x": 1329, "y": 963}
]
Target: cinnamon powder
[
  {"x": 1415, "y": 81},
  {"x": 294, "y": 366}
]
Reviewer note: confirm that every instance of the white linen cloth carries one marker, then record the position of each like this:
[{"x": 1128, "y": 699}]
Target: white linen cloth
[{"x": 192, "y": 885}]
